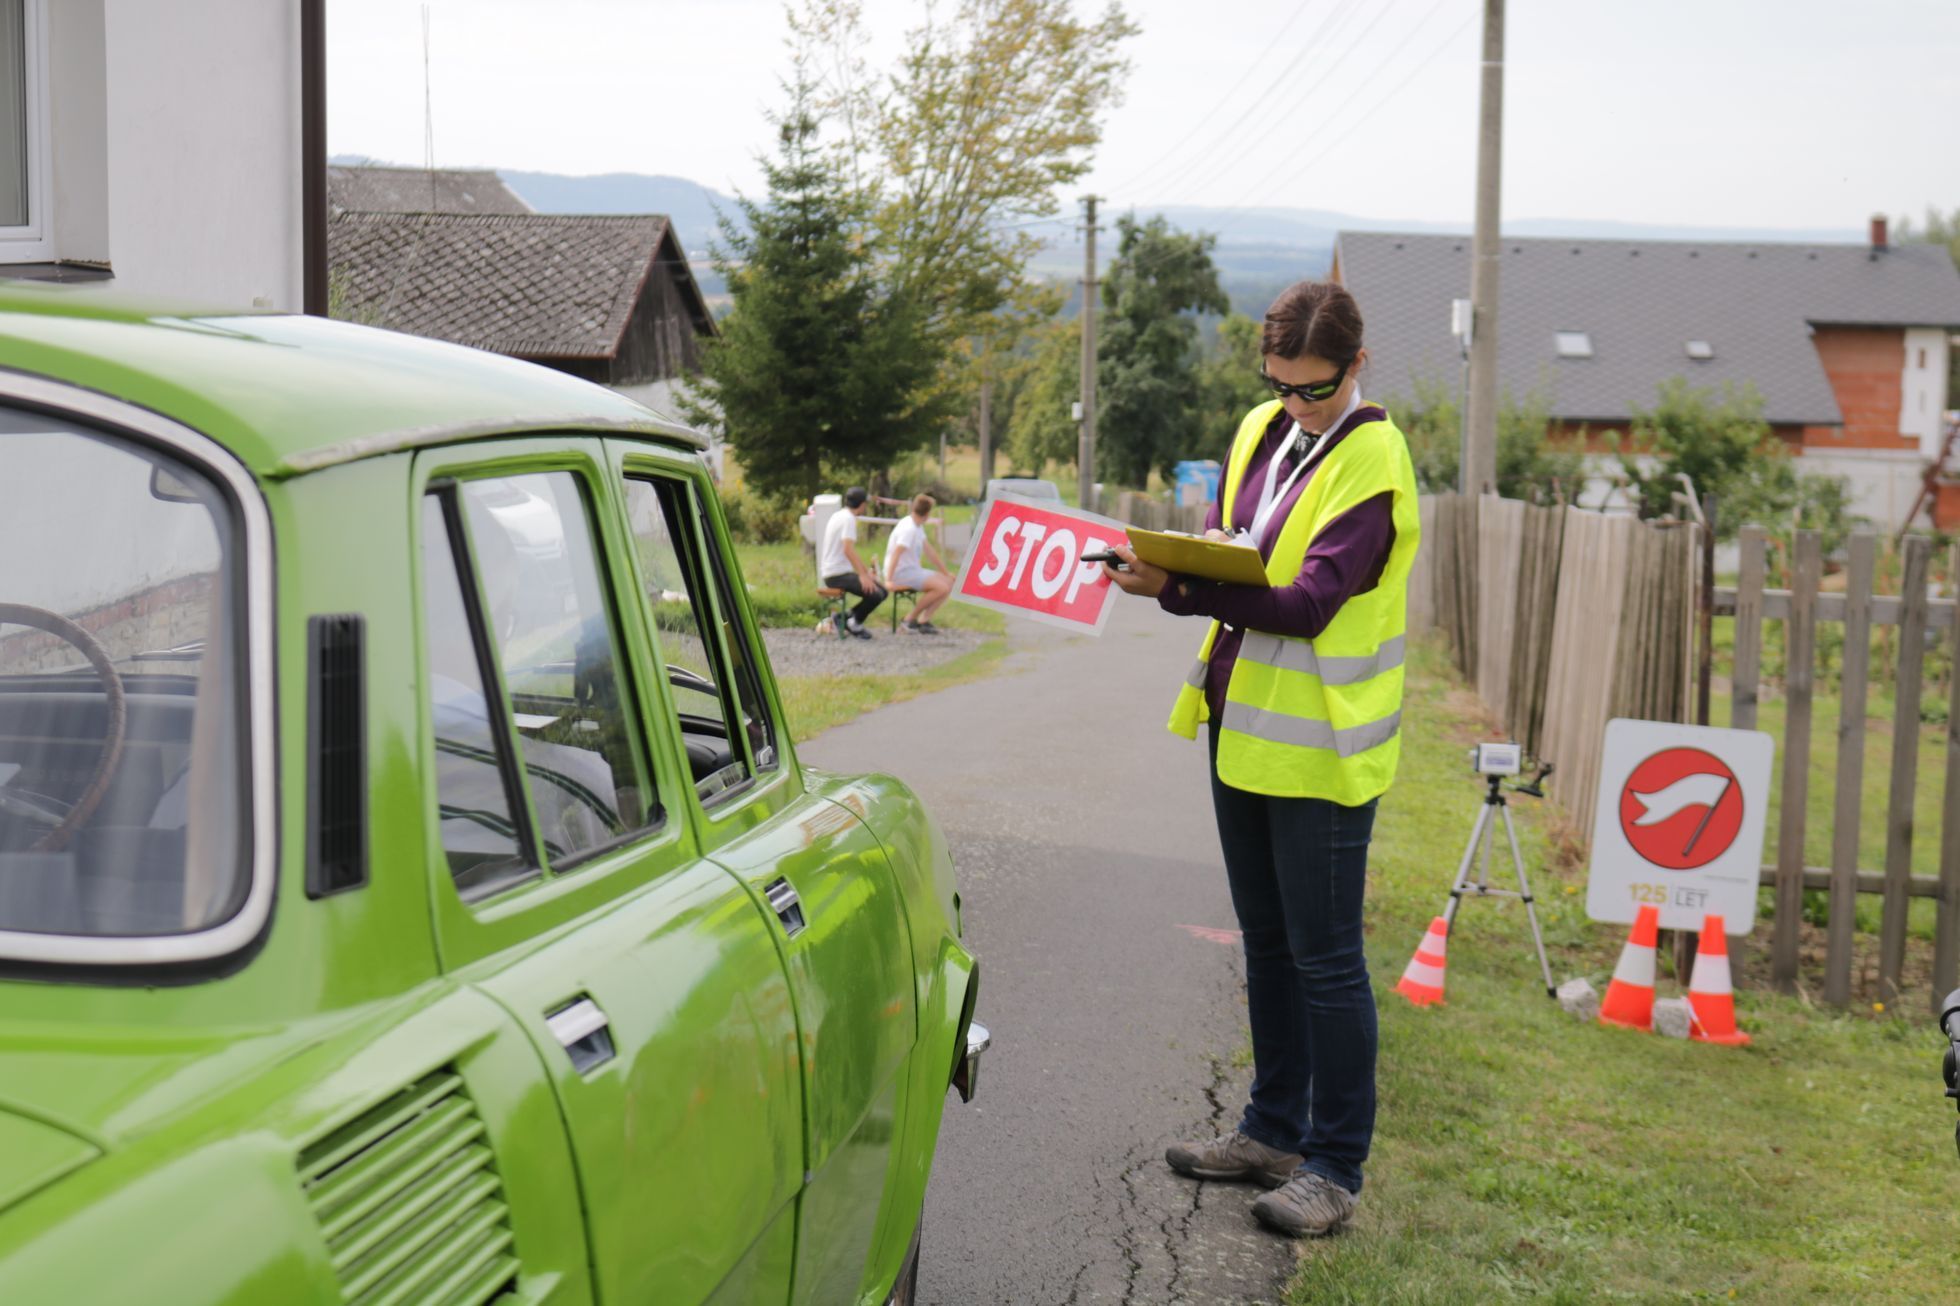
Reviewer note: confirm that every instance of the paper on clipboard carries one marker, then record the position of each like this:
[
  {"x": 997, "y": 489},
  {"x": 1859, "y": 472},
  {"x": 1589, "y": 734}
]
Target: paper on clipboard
[{"x": 1194, "y": 555}]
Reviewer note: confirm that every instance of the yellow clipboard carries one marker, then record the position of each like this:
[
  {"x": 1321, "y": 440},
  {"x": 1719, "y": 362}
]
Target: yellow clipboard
[{"x": 1194, "y": 555}]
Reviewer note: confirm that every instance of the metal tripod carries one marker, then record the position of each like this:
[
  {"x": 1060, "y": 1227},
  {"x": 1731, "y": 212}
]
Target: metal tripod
[{"x": 1481, "y": 838}]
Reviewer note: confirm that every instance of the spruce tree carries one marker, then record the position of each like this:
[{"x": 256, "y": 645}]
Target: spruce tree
[{"x": 817, "y": 371}]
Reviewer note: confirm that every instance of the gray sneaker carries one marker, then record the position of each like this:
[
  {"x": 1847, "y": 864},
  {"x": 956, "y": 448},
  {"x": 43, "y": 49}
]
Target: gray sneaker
[
  {"x": 1308, "y": 1205},
  {"x": 1233, "y": 1156}
]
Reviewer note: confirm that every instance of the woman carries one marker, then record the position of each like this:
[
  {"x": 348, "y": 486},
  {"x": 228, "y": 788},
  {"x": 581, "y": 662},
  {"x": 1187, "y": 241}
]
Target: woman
[
  {"x": 905, "y": 568},
  {"x": 1302, "y": 685}
]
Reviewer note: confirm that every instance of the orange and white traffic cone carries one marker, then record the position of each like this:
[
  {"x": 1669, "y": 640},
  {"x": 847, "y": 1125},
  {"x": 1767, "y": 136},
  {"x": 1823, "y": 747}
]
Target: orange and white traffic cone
[
  {"x": 1422, "y": 979},
  {"x": 1629, "y": 998},
  {"x": 1710, "y": 994}
]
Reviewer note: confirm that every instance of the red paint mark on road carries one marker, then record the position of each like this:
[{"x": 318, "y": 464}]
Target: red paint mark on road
[{"x": 1211, "y": 934}]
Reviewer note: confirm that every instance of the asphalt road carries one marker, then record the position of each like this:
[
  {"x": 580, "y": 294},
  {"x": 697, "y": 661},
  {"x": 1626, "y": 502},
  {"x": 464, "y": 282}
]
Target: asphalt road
[{"x": 1095, "y": 899}]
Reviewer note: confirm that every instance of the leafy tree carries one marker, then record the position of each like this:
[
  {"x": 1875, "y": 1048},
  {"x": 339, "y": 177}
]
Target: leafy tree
[
  {"x": 1712, "y": 438},
  {"x": 1531, "y": 465},
  {"x": 1150, "y": 397},
  {"x": 994, "y": 106},
  {"x": 1774, "y": 494},
  {"x": 1229, "y": 378},
  {"x": 1041, "y": 427},
  {"x": 818, "y": 371}
]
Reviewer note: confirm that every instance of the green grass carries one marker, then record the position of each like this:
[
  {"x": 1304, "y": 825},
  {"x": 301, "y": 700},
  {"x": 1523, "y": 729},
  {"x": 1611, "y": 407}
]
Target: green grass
[
  {"x": 782, "y": 583},
  {"x": 816, "y": 703},
  {"x": 1520, "y": 1153},
  {"x": 782, "y": 587}
]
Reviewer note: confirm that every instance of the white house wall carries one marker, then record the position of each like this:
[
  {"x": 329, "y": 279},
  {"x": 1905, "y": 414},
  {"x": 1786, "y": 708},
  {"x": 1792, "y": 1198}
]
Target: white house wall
[
  {"x": 1883, "y": 483},
  {"x": 1922, "y": 391},
  {"x": 78, "y": 130},
  {"x": 203, "y": 150}
]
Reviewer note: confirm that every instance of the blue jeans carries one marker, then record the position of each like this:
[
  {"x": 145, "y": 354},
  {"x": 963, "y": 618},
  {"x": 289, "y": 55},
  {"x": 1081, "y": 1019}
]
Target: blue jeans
[{"x": 1297, "y": 867}]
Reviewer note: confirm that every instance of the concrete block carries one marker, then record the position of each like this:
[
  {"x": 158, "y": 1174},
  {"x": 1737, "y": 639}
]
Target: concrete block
[
  {"x": 1577, "y": 997},
  {"x": 1672, "y": 1017}
]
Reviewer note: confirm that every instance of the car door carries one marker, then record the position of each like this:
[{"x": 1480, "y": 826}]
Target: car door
[
  {"x": 821, "y": 870},
  {"x": 568, "y": 886}
]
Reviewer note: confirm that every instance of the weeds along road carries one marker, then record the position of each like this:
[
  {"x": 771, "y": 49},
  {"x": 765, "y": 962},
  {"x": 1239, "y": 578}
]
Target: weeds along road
[{"x": 1085, "y": 844}]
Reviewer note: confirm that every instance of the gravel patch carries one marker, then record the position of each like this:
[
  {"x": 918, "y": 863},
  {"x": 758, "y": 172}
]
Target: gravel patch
[{"x": 801, "y": 652}]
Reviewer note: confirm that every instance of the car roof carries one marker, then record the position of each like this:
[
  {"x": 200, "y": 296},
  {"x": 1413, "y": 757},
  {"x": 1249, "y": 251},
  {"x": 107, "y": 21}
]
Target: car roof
[{"x": 289, "y": 394}]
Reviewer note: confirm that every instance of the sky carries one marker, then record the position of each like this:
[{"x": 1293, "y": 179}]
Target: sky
[{"x": 1749, "y": 113}]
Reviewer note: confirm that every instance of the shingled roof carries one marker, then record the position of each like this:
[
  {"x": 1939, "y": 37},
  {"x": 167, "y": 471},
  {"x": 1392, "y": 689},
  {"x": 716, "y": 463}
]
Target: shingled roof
[
  {"x": 539, "y": 286},
  {"x": 370, "y": 189},
  {"x": 1641, "y": 302}
]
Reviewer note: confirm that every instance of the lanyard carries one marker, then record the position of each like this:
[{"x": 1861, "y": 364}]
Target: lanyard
[{"x": 1269, "y": 498}]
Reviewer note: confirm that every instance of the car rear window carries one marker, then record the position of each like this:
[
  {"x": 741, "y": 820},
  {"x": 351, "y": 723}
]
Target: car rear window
[{"x": 123, "y": 807}]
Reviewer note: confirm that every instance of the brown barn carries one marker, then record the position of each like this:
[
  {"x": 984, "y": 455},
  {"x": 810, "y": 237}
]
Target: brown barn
[{"x": 607, "y": 298}]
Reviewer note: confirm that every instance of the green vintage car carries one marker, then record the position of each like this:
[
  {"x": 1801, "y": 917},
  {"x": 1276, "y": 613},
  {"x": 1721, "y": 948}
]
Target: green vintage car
[{"x": 409, "y": 891}]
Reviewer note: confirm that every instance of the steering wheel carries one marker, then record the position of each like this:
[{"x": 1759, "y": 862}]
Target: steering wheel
[{"x": 63, "y": 824}]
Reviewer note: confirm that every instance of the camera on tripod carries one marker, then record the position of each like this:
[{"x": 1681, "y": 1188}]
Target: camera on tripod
[{"x": 1497, "y": 759}]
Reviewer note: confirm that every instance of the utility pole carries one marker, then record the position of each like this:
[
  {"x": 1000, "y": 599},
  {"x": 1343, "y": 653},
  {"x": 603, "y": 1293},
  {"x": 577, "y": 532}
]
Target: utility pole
[
  {"x": 1478, "y": 468},
  {"x": 986, "y": 431},
  {"x": 1085, "y": 454}
]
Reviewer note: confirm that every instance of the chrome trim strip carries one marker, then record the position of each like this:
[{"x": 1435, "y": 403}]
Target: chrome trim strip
[
  {"x": 1299, "y": 655},
  {"x": 579, "y": 1021},
  {"x": 213, "y": 459},
  {"x": 1306, "y": 732},
  {"x": 427, "y": 437}
]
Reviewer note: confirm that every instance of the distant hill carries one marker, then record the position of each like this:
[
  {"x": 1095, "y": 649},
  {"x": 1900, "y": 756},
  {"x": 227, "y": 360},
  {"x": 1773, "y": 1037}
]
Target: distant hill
[{"x": 690, "y": 205}]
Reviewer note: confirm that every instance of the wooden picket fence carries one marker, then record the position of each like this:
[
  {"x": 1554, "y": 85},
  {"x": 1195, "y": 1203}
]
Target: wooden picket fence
[
  {"x": 1562, "y": 619},
  {"x": 1802, "y": 608},
  {"x": 1154, "y": 514}
]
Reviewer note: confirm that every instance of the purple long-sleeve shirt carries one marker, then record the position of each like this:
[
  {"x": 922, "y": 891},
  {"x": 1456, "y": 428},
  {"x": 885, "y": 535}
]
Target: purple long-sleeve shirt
[{"x": 1345, "y": 559}]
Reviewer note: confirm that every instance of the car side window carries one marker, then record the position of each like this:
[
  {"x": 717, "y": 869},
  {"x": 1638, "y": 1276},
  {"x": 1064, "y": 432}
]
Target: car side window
[
  {"x": 757, "y": 725},
  {"x": 680, "y": 602},
  {"x": 476, "y": 795},
  {"x": 541, "y": 609}
]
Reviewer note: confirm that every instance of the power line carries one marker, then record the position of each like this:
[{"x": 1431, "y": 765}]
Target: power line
[
  {"x": 1217, "y": 167},
  {"x": 1329, "y": 28},
  {"x": 1414, "y": 72},
  {"x": 1164, "y": 156}
]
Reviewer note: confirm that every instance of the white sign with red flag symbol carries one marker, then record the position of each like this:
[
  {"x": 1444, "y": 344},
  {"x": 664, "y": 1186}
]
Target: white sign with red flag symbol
[
  {"x": 1026, "y": 558},
  {"x": 1680, "y": 823}
]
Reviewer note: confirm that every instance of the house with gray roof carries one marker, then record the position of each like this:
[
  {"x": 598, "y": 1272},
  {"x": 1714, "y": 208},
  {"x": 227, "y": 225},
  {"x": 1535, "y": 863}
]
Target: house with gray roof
[
  {"x": 375, "y": 188},
  {"x": 1848, "y": 344},
  {"x": 607, "y": 298}
]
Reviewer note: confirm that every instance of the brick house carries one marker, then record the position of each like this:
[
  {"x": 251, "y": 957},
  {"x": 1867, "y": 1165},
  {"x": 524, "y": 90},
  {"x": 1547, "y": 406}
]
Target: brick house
[{"x": 1848, "y": 344}]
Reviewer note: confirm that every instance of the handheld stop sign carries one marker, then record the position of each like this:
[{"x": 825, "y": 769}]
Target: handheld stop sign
[{"x": 1026, "y": 558}]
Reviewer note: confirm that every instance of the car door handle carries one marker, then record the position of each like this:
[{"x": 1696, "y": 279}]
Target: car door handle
[
  {"x": 584, "y": 1032},
  {"x": 787, "y": 906}
]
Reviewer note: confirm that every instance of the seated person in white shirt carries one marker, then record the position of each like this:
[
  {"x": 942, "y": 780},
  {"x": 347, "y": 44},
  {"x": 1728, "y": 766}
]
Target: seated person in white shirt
[
  {"x": 841, "y": 567},
  {"x": 905, "y": 566}
]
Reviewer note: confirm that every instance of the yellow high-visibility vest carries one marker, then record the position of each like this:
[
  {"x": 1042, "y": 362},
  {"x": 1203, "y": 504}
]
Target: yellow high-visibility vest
[{"x": 1318, "y": 718}]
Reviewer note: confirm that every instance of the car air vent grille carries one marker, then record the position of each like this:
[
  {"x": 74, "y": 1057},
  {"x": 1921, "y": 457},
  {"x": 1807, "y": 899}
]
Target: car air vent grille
[
  {"x": 336, "y": 808},
  {"x": 410, "y": 1202}
]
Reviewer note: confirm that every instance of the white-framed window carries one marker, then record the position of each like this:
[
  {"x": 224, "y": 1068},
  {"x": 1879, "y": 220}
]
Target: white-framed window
[
  {"x": 26, "y": 225},
  {"x": 1573, "y": 344}
]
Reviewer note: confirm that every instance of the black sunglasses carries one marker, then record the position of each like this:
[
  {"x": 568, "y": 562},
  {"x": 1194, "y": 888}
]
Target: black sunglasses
[{"x": 1315, "y": 392}]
